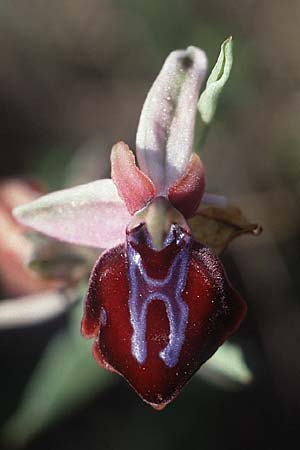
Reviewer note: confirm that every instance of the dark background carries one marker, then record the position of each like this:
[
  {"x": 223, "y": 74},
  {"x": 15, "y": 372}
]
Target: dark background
[{"x": 73, "y": 78}]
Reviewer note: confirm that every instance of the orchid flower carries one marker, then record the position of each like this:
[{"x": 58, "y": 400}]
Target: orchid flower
[
  {"x": 15, "y": 278},
  {"x": 159, "y": 303}
]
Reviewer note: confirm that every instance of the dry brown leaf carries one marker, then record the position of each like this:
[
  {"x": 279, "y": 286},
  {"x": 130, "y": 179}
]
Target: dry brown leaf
[{"x": 217, "y": 226}]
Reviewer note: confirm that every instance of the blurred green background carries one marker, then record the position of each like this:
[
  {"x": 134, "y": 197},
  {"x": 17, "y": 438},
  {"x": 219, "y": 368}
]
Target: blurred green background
[{"x": 73, "y": 78}]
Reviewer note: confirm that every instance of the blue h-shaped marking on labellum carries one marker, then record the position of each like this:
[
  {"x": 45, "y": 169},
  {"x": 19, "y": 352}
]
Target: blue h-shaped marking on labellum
[{"x": 168, "y": 290}]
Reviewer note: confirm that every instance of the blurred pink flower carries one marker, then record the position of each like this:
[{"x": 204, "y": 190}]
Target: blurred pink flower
[{"x": 15, "y": 249}]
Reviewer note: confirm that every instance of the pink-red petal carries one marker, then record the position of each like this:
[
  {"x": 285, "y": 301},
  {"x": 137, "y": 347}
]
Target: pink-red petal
[
  {"x": 134, "y": 187},
  {"x": 186, "y": 193}
]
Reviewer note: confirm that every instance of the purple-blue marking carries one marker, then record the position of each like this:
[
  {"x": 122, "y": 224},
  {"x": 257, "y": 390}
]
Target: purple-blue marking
[
  {"x": 103, "y": 316},
  {"x": 168, "y": 290}
]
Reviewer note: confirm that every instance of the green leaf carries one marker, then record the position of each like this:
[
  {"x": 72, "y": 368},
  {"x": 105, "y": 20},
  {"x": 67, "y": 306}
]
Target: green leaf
[
  {"x": 227, "y": 367},
  {"x": 207, "y": 104},
  {"x": 65, "y": 377}
]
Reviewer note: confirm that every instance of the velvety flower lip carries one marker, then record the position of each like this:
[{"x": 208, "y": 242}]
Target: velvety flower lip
[
  {"x": 157, "y": 345},
  {"x": 159, "y": 303}
]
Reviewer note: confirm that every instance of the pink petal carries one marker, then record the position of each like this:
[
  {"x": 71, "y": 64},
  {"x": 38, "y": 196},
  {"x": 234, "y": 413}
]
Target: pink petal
[
  {"x": 134, "y": 187},
  {"x": 92, "y": 214},
  {"x": 186, "y": 193},
  {"x": 166, "y": 129}
]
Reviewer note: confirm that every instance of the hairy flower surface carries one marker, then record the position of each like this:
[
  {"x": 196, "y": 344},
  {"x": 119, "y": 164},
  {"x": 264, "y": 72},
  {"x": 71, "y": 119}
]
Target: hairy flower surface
[{"x": 159, "y": 303}]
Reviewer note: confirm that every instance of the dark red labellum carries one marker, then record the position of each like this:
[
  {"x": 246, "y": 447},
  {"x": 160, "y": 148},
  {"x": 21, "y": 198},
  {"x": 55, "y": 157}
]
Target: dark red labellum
[{"x": 159, "y": 315}]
